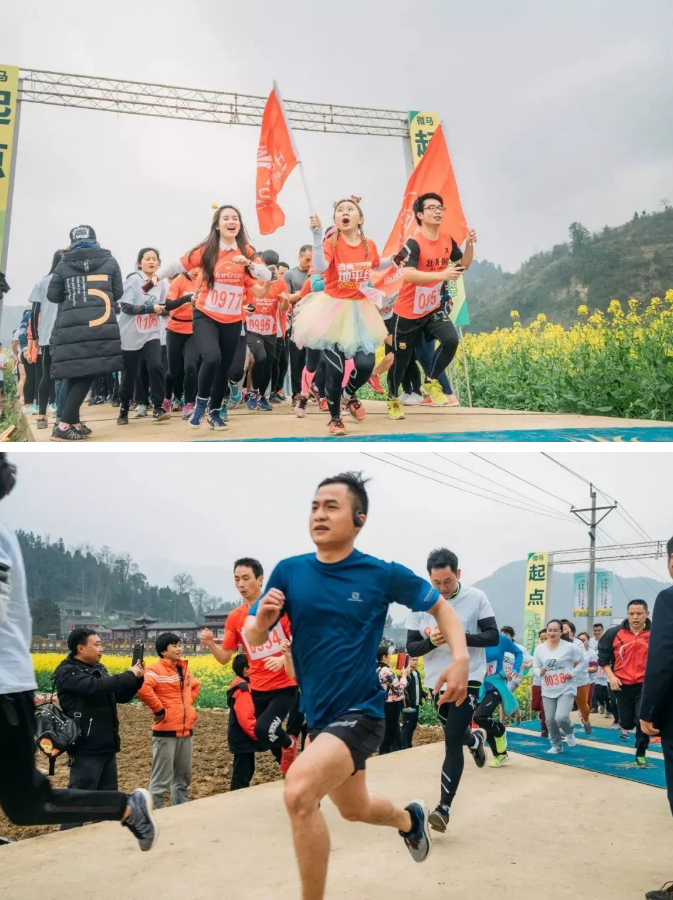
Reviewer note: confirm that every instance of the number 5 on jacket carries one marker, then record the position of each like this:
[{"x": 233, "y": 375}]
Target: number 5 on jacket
[{"x": 94, "y": 292}]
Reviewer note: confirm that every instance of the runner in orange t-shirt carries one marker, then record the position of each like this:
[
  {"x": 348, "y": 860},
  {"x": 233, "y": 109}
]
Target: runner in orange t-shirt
[
  {"x": 227, "y": 265},
  {"x": 181, "y": 349},
  {"x": 342, "y": 320},
  {"x": 274, "y": 693},
  {"x": 261, "y": 328}
]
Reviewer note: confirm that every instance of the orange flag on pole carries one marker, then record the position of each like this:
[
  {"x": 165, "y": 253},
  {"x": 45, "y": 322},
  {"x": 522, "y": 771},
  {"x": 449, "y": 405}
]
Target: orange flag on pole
[
  {"x": 434, "y": 173},
  {"x": 276, "y": 158}
]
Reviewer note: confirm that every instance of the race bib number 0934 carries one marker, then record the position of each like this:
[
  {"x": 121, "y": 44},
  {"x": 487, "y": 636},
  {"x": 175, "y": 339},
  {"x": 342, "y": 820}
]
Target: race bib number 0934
[{"x": 271, "y": 648}]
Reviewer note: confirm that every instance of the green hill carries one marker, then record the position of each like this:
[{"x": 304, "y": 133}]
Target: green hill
[{"x": 632, "y": 260}]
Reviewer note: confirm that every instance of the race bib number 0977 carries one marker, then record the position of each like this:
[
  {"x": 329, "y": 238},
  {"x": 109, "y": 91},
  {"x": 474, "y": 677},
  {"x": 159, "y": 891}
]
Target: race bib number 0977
[{"x": 226, "y": 300}]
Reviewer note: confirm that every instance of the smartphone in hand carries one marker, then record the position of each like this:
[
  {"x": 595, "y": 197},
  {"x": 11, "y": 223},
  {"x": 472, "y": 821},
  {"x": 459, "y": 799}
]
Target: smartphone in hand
[{"x": 138, "y": 654}]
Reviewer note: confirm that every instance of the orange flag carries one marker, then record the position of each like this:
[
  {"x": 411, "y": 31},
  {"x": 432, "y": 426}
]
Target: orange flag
[
  {"x": 276, "y": 158},
  {"x": 433, "y": 173}
]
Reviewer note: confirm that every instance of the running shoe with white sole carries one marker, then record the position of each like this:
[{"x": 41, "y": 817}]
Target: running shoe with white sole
[
  {"x": 435, "y": 391},
  {"x": 501, "y": 745},
  {"x": 141, "y": 823},
  {"x": 554, "y": 751},
  {"x": 571, "y": 740},
  {"x": 215, "y": 420},
  {"x": 439, "y": 818},
  {"x": 625, "y": 735},
  {"x": 452, "y": 400},
  {"x": 411, "y": 399},
  {"x": 264, "y": 405},
  {"x": 199, "y": 413},
  {"x": 395, "y": 411},
  {"x": 337, "y": 427},
  {"x": 252, "y": 400},
  {"x": 300, "y": 406},
  {"x": 141, "y": 411},
  {"x": 478, "y": 752},
  {"x": 356, "y": 409},
  {"x": 187, "y": 410},
  {"x": 68, "y": 435},
  {"x": 586, "y": 724},
  {"x": 419, "y": 839},
  {"x": 160, "y": 414},
  {"x": 288, "y": 756},
  {"x": 375, "y": 384},
  {"x": 642, "y": 763},
  {"x": 498, "y": 761}
]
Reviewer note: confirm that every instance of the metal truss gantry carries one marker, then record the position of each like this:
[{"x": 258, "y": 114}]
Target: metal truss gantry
[
  {"x": 646, "y": 550},
  {"x": 219, "y": 107}
]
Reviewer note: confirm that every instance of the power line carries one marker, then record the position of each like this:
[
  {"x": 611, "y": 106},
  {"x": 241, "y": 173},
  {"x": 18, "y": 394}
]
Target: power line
[
  {"x": 493, "y": 481},
  {"x": 567, "y": 468},
  {"x": 453, "y": 486},
  {"x": 610, "y": 537},
  {"x": 529, "y": 483}
]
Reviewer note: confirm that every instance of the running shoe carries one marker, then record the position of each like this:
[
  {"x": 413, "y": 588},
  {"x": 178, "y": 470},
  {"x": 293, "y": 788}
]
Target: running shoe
[
  {"x": 166, "y": 406},
  {"x": 625, "y": 735},
  {"x": 123, "y": 417},
  {"x": 176, "y": 406},
  {"x": 419, "y": 839},
  {"x": 288, "y": 756},
  {"x": 616, "y": 726},
  {"x": 501, "y": 745},
  {"x": 544, "y": 733},
  {"x": 478, "y": 752},
  {"x": 435, "y": 391},
  {"x": 67, "y": 436},
  {"x": 375, "y": 384},
  {"x": 403, "y": 398},
  {"x": 160, "y": 415},
  {"x": 115, "y": 401},
  {"x": 664, "y": 893},
  {"x": 83, "y": 428},
  {"x": 571, "y": 740},
  {"x": 134, "y": 405},
  {"x": 411, "y": 399},
  {"x": 187, "y": 410},
  {"x": 452, "y": 400},
  {"x": 498, "y": 761},
  {"x": 252, "y": 401},
  {"x": 586, "y": 724},
  {"x": 52, "y": 408},
  {"x": 273, "y": 398},
  {"x": 96, "y": 401},
  {"x": 264, "y": 405},
  {"x": 428, "y": 401},
  {"x": 554, "y": 751},
  {"x": 642, "y": 763},
  {"x": 323, "y": 404},
  {"x": 337, "y": 428},
  {"x": 395, "y": 410},
  {"x": 30, "y": 409},
  {"x": 199, "y": 413},
  {"x": 41, "y": 423},
  {"x": 141, "y": 823},
  {"x": 439, "y": 818},
  {"x": 235, "y": 394},
  {"x": 141, "y": 411},
  {"x": 356, "y": 409},
  {"x": 300, "y": 406},
  {"x": 215, "y": 420}
]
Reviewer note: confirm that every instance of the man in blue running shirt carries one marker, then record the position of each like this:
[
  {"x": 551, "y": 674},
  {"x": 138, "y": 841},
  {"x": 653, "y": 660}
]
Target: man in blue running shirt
[{"x": 337, "y": 601}]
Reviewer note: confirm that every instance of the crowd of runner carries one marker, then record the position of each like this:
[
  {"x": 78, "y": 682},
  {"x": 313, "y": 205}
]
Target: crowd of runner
[
  {"x": 286, "y": 689},
  {"x": 225, "y": 326}
]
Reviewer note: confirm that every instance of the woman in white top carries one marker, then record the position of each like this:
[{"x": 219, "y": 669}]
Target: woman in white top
[
  {"x": 558, "y": 663},
  {"x": 585, "y": 705}
]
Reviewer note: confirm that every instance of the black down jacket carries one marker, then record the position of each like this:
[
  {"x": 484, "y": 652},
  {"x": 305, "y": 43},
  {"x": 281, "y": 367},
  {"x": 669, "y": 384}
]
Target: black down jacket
[{"x": 85, "y": 340}]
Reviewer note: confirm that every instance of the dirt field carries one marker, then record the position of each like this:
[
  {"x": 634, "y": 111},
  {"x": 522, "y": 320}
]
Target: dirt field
[{"x": 211, "y": 762}]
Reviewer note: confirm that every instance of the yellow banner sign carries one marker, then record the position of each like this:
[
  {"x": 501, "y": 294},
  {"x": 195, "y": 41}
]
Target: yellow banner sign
[
  {"x": 421, "y": 128},
  {"x": 535, "y": 598},
  {"x": 9, "y": 89}
]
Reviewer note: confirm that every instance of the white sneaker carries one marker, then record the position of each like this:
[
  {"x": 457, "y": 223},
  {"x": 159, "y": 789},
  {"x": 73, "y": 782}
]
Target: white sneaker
[
  {"x": 554, "y": 751},
  {"x": 412, "y": 399},
  {"x": 571, "y": 740},
  {"x": 141, "y": 411},
  {"x": 404, "y": 397}
]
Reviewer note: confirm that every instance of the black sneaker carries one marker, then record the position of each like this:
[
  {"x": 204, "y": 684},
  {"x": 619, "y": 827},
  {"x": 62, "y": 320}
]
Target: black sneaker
[
  {"x": 478, "y": 752},
  {"x": 160, "y": 415},
  {"x": 83, "y": 428},
  {"x": 419, "y": 839},
  {"x": 41, "y": 423},
  {"x": 544, "y": 733},
  {"x": 665, "y": 893},
  {"x": 71, "y": 434},
  {"x": 123, "y": 417},
  {"x": 439, "y": 818},
  {"x": 141, "y": 823}
]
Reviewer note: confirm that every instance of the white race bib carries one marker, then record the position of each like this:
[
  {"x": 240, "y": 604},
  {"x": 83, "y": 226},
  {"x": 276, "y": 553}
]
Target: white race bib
[
  {"x": 491, "y": 668},
  {"x": 226, "y": 300},
  {"x": 556, "y": 679},
  {"x": 427, "y": 297},
  {"x": 148, "y": 324},
  {"x": 272, "y": 647},
  {"x": 261, "y": 324}
]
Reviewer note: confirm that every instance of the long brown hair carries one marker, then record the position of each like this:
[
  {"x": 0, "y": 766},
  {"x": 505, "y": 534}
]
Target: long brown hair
[
  {"x": 211, "y": 245},
  {"x": 356, "y": 203}
]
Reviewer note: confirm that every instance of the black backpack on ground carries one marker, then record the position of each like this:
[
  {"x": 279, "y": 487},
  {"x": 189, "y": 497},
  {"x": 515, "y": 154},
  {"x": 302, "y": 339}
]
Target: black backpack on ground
[{"x": 55, "y": 733}]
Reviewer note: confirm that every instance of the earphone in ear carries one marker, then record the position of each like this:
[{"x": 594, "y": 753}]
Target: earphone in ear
[{"x": 357, "y": 520}]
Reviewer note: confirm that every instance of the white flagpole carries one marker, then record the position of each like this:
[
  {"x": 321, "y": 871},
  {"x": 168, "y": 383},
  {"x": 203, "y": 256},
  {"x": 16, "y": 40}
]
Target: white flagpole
[{"x": 300, "y": 164}]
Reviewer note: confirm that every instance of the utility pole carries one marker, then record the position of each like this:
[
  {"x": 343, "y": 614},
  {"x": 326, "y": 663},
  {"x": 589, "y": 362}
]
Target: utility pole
[{"x": 593, "y": 524}]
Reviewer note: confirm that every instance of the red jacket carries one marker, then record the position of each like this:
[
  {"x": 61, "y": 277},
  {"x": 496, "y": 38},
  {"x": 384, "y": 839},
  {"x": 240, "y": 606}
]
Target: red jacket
[
  {"x": 625, "y": 652},
  {"x": 174, "y": 692},
  {"x": 242, "y": 719}
]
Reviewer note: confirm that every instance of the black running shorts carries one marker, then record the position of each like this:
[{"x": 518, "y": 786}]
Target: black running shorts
[{"x": 360, "y": 733}]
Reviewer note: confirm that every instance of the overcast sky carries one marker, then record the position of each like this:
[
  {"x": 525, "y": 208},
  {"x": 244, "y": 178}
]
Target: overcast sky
[
  {"x": 554, "y": 112},
  {"x": 208, "y": 509}
]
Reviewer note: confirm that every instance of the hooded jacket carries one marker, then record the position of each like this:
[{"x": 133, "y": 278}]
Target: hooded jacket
[
  {"x": 85, "y": 340},
  {"x": 171, "y": 692},
  {"x": 625, "y": 652},
  {"x": 87, "y": 694},
  {"x": 242, "y": 721},
  {"x": 656, "y": 704}
]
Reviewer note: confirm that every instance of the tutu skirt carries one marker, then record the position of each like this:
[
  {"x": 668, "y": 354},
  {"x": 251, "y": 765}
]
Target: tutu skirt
[{"x": 323, "y": 322}]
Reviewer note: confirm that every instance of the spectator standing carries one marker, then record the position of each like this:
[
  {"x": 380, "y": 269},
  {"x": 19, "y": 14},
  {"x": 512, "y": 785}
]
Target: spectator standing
[
  {"x": 394, "y": 688},
  {"x": 414, "y": 695},
  {"x": 243, "y": 743}
]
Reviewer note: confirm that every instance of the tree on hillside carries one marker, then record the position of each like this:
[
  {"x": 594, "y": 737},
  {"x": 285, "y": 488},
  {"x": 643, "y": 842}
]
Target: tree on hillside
[
  {"x": 46, "y": 617},
  {"x": 579, "y": 237},
  {"x": 184, "y": 586}
]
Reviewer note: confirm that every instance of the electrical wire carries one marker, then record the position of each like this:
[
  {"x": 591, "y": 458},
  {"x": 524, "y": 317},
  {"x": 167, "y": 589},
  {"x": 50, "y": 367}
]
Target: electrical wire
[{"x": 529, "y": 483}]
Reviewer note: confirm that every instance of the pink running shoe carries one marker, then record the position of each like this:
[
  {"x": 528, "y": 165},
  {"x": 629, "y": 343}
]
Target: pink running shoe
[
  {"x": 166, "y": 406},
  {"x": 375, "y": 384},
  {"x": 187, "y": 410}
]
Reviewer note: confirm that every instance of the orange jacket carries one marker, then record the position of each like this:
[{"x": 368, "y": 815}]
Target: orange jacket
[{"x": 173, "y": 692}]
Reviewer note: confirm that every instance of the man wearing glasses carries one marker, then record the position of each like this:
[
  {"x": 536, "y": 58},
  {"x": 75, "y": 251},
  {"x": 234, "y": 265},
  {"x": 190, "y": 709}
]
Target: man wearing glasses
[{"x": 431, "y": 259}]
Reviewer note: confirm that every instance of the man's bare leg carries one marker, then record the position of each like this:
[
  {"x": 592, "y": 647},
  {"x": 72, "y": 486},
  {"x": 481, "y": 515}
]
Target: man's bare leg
[{"x": 356, "y": 804}]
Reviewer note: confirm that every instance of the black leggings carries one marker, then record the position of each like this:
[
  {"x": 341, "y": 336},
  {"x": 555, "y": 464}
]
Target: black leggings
[
  {"x": 26, "y": 795},
  {"x": 297, "y": 363},
  {"x": 217, "y": 343},
  {"x": 264, "y": 352},
  {"x": 46, "y": 387},
  {"x": 271, "y": 707},
  {"x": 78, "y": 388},
  {"x": 30, "y": 384},
  {"x": 151, "y": 354},
  {"x": 456, "y": 724},
  {"x": 183, "y": 357},
  {"x": 407, "y": 334},
  {"x": 483, "y": 717},
  {"x": 280, "y": 364},
  {"x": 237, "y": 370},
  {"x": 392, "y": 737},
  {"x": 364, "y": 366}
]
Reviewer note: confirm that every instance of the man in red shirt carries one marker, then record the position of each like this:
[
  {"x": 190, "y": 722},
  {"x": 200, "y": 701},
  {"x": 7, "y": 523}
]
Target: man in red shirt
[
  {"x": 622, "y": 652},
  {"x": 274, "y": 693}
]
